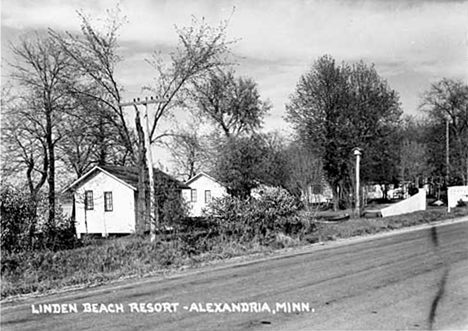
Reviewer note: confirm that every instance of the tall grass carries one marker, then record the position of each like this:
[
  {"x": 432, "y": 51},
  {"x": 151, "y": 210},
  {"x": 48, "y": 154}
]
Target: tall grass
[
  {"x": 41, "y": 271},
  {"x": 38, "y": 271}
]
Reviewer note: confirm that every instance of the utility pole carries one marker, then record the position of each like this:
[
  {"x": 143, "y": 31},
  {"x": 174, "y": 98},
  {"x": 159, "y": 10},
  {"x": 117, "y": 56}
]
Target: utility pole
[
  {"x": 154, "y": 219},
  {"x": 447, "y": 157},
  {"x": 357, "y": 153}
]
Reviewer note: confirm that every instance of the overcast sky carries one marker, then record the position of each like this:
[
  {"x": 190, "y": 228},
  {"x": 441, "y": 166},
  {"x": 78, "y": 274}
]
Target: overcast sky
[{"x": 411, "y": 43}]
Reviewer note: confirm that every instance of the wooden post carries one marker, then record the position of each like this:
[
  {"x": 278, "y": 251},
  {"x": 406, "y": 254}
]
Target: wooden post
[
  {"x": 357, "y": 153},
  {"x": 447, "y": 146},
  {"x": 149, "y": 160}
]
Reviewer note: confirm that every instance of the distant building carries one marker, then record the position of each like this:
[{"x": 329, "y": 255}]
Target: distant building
[
  {"x": 374, "y": 192},
  {"x": 203, "y": 188},
  {"x": 316, "y": 194}
]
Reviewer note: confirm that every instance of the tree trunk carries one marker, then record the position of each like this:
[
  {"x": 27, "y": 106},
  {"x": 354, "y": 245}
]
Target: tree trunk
[
  {"x": 51, "y": 226},
  {"x": 32, "y": 224},
  {"x": 336, "y": 197},
  {"x": 33, "y": 195}
]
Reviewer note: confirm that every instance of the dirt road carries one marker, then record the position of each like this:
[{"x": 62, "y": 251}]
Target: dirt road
[{"x": 410, "y": 280}]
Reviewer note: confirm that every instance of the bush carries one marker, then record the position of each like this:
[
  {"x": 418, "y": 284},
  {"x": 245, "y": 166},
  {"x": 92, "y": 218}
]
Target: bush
[
  {"x": 172, "y": 209},
  {"x": 17, "y": 216},
  {"x": 461, "y": 203},
  {"x": 273, "y": 211},
  {"x": 24, "y": 224}
]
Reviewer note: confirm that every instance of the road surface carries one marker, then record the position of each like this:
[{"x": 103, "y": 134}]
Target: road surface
[{"x": 410, "y": 280}]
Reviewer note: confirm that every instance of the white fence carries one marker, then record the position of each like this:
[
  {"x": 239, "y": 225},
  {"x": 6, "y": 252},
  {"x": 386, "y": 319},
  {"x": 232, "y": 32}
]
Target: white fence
[{"x": 415, "y": 203}]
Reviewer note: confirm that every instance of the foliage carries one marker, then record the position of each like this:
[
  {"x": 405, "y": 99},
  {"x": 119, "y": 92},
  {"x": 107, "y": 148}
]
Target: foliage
[
  {"x": 337, "y": 108},
  {"x": 274, "y": 211},
  {"x": 17, "y": 214},
  {"x": 171, "y": 208},
  {"x": 232, "y": 104},
  {"x": 238, "y": 165},
  {"x": 25, "y": 227},
  {"x": 243, "y": 163},
  {"x": 274, "y": 160},
  {"x": 446, "y": 103}
]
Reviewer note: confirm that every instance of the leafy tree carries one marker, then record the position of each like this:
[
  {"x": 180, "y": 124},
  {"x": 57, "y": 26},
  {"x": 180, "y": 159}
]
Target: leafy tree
[
  {"x": 447, "y": 102},
  {"x": 274, "y": 161},
  {"x": 243, "y": 163},
  {"x": 336, "y": 108},
  {"x": 232, "y": 104},
  {"x": 238, "y": 165}
]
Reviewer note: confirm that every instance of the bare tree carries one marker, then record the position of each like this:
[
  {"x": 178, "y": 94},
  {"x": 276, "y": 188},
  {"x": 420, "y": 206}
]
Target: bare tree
[
  {"x": 414, "y": 151},
  {"x": 95, "y": 56},
  {"x": 446, "y": 104},
  {"x": 90, "y": 138},
  {"x": 306, "y": 176},
  {"x": 43, "y": 72},
  {"x": 202, "y": 50},
  {"x": 189, "y": 151}
]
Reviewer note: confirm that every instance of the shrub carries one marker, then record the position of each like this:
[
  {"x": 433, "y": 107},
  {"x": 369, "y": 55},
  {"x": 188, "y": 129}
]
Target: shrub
[
  {"x": 461, "y": 203},
  {"x": 17, "y": 216},
  {"x": 172, "y": 209},
  {"x": 24, "y": 224},
  {"x": 273, "y": 211}
]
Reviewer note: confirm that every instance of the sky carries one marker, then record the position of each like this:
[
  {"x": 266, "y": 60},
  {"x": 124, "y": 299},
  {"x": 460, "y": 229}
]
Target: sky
[{"x": 411, "y": 43}]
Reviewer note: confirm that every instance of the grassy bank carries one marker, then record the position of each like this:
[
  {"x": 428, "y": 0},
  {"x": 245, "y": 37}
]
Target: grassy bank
[
  {"x": 367, "y": 226},
  {"x": 115, "y": 259},
  {"x": 111, "y": 260}
]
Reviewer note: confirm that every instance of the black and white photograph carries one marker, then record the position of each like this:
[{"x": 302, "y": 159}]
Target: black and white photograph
[{"x": 270, "y": 165}]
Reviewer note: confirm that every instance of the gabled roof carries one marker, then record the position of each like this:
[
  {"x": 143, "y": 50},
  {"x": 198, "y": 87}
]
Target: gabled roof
[
  {"x": 127, "y": 176},
  {"x": 200, "y": 174}
]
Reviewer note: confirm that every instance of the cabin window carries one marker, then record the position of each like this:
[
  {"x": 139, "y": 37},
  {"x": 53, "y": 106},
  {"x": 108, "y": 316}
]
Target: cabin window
[
  {"x": 193, "y": 197},
  {"x": 207, "y": 196},
  {"x": 89, "y": 202},
  {"x": 108, "y": 204}
]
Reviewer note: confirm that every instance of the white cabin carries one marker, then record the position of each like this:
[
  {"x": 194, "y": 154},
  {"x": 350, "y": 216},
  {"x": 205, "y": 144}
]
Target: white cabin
[
  {"x": 203, "y": 188},
  {"x": 105, "y": 200}
]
